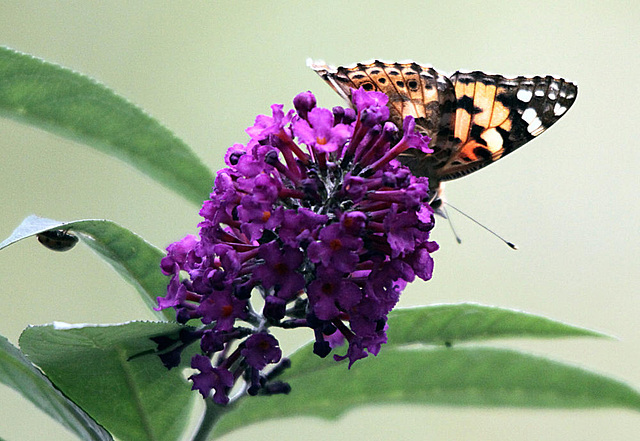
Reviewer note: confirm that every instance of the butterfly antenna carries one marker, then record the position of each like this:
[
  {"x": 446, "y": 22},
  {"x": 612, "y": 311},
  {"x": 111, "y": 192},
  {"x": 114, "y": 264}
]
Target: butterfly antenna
[
  {"x": 510, "y": 244},
  {"x": 446, "y": 214}
]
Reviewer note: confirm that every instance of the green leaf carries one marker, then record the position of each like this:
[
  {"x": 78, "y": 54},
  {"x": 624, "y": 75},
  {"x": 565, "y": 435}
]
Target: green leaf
[
  {"x": 451, "y": 323},
  {"x": 464, "y": 322},
  {"x": 75, "y": 106},
  {"x": 134, "y": 398},
  {"x": 135, "y": 259},
  {"x": 459, "y": 376},
  {"x": 18, "y": 373}
]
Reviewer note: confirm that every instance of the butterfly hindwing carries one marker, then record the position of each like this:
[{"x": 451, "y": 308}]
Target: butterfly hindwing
[
  {"x": 412, "y": 89},
  {"x": 473, "y": 118}
]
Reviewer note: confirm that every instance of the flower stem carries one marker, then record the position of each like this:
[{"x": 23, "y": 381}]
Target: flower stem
[{"x": 212, "y": 414}]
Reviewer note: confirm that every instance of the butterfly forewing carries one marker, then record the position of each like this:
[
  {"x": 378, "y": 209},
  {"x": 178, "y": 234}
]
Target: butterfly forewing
[
  {"x": 496, "y": 115},
  {"x": 473, "y": 118}
]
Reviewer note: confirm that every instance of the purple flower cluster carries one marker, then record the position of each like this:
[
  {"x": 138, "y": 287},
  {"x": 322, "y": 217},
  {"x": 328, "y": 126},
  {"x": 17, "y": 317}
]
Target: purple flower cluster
[{"x": 315, "y": 215}]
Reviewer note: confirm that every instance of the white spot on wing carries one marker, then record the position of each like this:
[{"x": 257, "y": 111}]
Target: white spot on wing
[
  {"x": 558, "y": 110},
  {"x": 524, "y": 95},
  {"x": 529, "y": 115},
  {"x": 535, "y": 127},
  {"x": 493, "y": 139},
  {"x": 554, "y": 89}
]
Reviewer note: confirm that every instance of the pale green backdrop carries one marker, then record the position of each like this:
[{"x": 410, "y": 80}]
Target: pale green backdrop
[{"x": 569, "y": 199}]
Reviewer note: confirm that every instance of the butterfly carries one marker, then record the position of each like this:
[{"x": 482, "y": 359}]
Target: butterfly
[{"x": 472, "y": 118}]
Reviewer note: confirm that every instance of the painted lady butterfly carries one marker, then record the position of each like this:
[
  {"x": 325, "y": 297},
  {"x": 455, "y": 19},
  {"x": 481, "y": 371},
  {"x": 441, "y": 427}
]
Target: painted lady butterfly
[{"x": 473, "y": 118}]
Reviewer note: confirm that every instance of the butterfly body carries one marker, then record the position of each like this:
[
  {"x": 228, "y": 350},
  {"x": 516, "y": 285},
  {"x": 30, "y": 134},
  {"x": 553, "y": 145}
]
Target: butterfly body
[{"x": 473, "y": 119}]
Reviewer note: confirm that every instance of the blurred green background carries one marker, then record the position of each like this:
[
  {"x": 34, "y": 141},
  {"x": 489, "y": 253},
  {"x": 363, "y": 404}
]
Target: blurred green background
[{"x": 569, "y": 199}]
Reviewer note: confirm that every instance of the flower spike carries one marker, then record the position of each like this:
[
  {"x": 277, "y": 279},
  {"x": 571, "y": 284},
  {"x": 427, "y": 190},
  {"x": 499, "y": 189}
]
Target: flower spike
[{"x": 316, "y": 217}]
